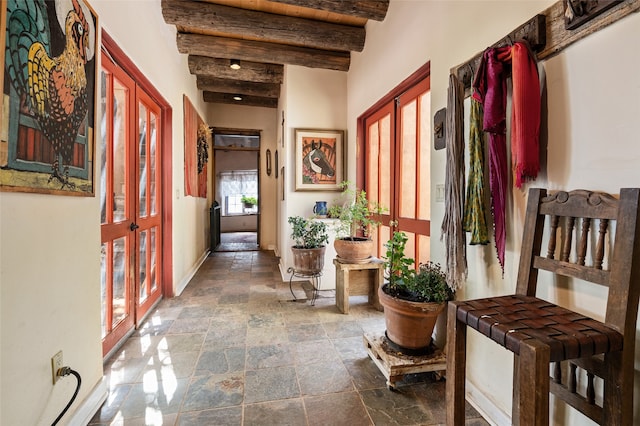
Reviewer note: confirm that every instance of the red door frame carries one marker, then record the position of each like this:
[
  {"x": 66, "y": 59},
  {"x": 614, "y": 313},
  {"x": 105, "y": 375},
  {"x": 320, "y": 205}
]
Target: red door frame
[{"x": 118, "y": 55}]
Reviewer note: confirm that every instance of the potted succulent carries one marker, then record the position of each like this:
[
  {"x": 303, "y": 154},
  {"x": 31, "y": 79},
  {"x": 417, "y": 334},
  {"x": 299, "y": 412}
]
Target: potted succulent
[
  {"x": 310, "y": 239},
  {"x": 412, "y": 298},
  {"x": 356, "y": 215},
  {"x": 249, "y": 202}
]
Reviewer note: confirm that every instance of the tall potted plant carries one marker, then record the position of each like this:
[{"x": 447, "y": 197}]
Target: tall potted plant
[
  {"x": 412, "y": 298},
  {"x": 310, "y": 239},
  {"x": 356, "y": 216}
]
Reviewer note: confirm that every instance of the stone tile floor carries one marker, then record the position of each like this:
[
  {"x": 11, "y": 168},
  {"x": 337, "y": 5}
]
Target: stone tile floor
[{"x": 235, "y": 349}]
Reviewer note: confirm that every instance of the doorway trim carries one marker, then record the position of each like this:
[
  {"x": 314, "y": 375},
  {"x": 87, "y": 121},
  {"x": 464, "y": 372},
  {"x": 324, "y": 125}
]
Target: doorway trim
[{"x": 123, "y": 61}]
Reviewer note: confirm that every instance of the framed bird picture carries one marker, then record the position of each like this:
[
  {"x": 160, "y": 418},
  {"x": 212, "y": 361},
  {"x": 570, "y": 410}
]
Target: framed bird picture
[{"x": 47, "y": 138}]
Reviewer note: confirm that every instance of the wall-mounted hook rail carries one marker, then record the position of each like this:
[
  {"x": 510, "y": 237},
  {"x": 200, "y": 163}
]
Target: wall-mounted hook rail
[{"x": 534, "y": 31}]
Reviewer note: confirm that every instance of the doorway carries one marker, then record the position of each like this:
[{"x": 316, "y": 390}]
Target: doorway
[
  {"x": 237, "y": 188},
  {"x": 395, "y": 162},
  {"x": 134, "y": 249}
]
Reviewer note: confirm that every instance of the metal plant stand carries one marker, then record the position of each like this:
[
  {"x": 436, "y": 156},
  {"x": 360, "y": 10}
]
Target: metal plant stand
[{"x": 314, "y": 277}]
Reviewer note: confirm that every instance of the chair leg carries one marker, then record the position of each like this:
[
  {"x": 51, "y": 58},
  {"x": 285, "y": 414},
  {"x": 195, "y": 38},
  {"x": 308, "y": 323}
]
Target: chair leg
[
  {"x": 617, "y": 409},
  {"x": 456, "y": 364},
  {"x": 533, "y": 384}
]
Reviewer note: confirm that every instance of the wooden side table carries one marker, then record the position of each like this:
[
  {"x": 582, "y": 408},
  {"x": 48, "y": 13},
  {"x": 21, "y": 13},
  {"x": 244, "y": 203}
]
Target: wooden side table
[{"x": 358, "y": 279}]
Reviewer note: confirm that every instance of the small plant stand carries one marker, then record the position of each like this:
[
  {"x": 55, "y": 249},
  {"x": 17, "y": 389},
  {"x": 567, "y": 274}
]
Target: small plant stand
[
  {"x": 315, "y": 279},
  {"x": 395, "y": 365}
]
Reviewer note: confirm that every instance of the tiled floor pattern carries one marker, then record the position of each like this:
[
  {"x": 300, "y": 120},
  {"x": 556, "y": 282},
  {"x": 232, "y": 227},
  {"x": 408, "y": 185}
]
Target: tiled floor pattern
[
  {"x": 234, "y": 349},
  {"x": 238, "y": 241}
]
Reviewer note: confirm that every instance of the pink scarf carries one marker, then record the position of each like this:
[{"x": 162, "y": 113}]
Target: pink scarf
[{"x": 490, "y": 86}]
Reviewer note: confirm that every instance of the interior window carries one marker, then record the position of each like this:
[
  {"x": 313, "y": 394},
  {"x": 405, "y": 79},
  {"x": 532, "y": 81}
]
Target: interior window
[{"x": 234, "y": 185}]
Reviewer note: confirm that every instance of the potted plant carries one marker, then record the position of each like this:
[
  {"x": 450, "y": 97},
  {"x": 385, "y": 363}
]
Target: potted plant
[
  {"x": 249, "y": 202},
  {"x": 412, "y": 298},
  {"x": 356, "y": 215},
  {"x": 310, "y": 239}
]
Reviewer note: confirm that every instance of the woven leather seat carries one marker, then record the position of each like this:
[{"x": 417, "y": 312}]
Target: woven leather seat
[{"x": 539, "y": 332}]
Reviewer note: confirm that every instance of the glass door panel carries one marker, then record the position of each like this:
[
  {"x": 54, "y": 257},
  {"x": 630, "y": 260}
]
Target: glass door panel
[{"x": 115, "y": 206}]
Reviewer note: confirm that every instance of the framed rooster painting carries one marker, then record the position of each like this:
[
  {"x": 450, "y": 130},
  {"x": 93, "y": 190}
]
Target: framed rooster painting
[{"x": 47, "y": 136}]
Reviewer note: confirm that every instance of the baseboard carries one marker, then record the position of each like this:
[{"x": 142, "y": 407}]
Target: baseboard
[
  {"x": 183, "y": 284},
  {"x": 91, "y": 404},
  {"x": 487, "y": 408}
]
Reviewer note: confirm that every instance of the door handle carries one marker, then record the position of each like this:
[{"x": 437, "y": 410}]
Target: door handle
[{"x": 133, "y": 226}]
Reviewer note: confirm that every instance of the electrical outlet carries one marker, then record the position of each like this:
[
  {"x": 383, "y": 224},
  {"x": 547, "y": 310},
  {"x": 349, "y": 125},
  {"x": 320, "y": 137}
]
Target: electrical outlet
[{"x": 56, "y": 364}]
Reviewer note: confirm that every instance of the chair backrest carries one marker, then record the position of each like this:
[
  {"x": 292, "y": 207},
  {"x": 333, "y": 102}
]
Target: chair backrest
[{"x": 577, "y": 227}]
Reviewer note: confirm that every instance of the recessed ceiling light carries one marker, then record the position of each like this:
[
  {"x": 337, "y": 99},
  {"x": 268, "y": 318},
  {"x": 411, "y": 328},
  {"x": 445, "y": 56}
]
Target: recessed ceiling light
[
  {"x": 234, "y": 64},
  {"x": 237, "y": 97}
]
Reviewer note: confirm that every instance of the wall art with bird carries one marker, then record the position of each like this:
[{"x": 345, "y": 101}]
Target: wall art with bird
[{"x": 49, "y": 76}]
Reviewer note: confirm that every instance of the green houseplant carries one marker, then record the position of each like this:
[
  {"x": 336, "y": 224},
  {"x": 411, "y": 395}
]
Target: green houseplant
[
  {"x": 310, "y": 239},
  {"x": 356, "y": 216},
  {"x": 249, "y": 201},
  {"x": 412, "y": 298}
]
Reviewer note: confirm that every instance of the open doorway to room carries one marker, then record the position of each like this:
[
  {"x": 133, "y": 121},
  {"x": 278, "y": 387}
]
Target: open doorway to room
[{"x": 237, "y": 188}]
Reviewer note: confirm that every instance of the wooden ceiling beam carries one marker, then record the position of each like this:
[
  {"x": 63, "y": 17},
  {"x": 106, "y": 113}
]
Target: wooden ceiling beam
[
  {"x": 213, "y": 84},
  {"x": 202, "y": 17},
  {"x": 226, "y": 98},
  {"x": 255, "y": 51},
  {"x": 249, "y": 71},
  {"x": 368, "y": 9}
]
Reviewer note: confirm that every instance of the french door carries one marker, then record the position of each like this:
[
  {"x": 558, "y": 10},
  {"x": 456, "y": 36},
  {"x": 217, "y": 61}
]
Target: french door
[
  {"x": 131, "y": 222},
  {"x": 396, "y": 160}
]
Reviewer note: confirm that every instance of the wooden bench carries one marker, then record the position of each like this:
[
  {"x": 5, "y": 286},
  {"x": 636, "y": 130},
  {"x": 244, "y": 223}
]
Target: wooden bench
[{"x": 358, "y": 279}]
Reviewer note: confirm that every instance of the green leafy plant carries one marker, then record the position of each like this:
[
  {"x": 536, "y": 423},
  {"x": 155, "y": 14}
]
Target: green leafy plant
[
  {"x": 307, "y": 233},
  {"x": 356, "y": 213},
  {"x": 249, "y": 200},
  {"x": 427, "y": 283}
]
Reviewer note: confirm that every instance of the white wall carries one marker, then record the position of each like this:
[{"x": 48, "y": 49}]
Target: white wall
[
  {"x": 593, "y": 92},
  {"x": 50, "y": 248},
  {"x": 265, "y": 120},
  {"x": 313, "y": 99}
]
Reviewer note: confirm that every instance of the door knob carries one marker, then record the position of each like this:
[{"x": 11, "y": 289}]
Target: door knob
[{"x": 133, "y": 226}]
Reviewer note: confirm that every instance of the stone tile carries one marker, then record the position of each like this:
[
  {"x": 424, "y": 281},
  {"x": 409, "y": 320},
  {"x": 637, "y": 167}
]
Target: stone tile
[
  {"x": 305, "y": 332},
  {"x": 162, "y": 397},
  {"x": 222, "y": 361},
  {"x": 395, "y": 408},
  {"x": 285, "y": 412},
  {"x": 336, "y": 409},
  {"x": 365, "y": 373},
  {"x": 189, "y": 325},
  {"x": 111, "y": 406},
  {"x": 170, "y": 366},
  {"x": 151, "y": 418},
  {"x": 233, "y": 299},
  {"x": 266, "y": 319},
  {"x": 214, "y": 391},
  {"x": 350, "y": 348},
  {"x": 197, "y": 312},
  {"x": 315, "y": 351},
  {"x": 342, "y": 329},
  {"x": 176, "y": 343},
  {"x": 225, "y": 337},
  {"x": 230, "y": 416},
  {"x": 138, "y": 347},
  {"x": 269, "y": 356},
  {"x": 127, "y": 370},
  {"x": 270, "y": 384},
  {"x": 153, "y": 327},
  {"x": 266, "y": 335},
  {"x": 324, "y": 377}
]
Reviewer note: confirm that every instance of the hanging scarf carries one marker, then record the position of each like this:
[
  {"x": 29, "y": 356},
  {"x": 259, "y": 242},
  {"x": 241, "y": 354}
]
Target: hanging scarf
[
  {"x": 491, "y": 90},
  {"x": 452, "y": 230},
  {"x": 525, "y": 115},
  {"x": 475, "y": 221}
]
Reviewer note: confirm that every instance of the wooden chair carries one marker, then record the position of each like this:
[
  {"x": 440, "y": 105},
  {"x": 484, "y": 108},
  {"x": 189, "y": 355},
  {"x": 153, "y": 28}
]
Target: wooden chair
[{"x": 539, "y": 332}]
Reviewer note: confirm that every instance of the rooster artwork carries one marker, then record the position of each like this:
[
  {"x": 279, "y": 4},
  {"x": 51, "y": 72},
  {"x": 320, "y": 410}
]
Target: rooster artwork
[{"x": 49, "y": 72}]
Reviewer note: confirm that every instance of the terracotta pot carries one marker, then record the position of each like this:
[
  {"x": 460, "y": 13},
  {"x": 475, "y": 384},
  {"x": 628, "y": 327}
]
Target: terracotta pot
[
  {"x": 358, "y": 250},
  {"x": 308, "y": 261},
  {"x": 409, "y": 324}
]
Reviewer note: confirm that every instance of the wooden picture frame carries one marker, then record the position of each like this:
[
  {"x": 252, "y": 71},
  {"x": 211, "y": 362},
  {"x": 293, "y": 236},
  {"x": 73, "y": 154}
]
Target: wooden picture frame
[
  {"x": 319, "y": 159},
  {"x": 48, "y": 144}
]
